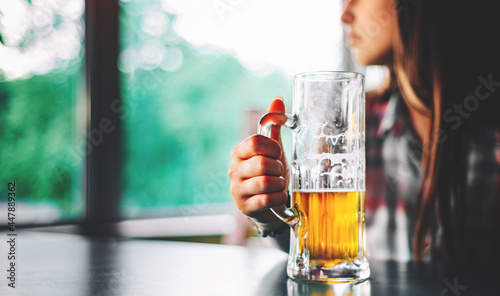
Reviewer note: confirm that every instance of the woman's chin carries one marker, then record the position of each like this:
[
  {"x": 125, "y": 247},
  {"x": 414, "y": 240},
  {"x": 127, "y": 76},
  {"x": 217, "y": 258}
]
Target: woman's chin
[
  {"x": 360, "y": 58},
  {"x": 371, "y": 60}
]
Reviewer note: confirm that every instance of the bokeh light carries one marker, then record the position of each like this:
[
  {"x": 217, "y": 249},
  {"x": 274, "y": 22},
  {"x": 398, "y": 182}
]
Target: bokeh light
[{"x": 39, "y": 36}]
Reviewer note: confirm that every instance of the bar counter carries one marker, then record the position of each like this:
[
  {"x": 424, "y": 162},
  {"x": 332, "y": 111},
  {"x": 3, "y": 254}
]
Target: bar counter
[{"x": 67, "y": 264}]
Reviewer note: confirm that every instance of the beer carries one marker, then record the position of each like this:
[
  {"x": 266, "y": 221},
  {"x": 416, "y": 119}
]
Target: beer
[{"x": 331, "y": 226}]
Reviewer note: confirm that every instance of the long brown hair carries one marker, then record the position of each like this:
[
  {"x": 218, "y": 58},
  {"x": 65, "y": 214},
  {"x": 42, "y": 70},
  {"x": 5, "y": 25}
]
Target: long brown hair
[{"x": 442, "y": 49}]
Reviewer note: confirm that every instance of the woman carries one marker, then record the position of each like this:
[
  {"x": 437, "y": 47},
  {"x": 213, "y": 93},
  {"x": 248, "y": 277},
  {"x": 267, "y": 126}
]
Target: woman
[{"x": 433, "y": 130}]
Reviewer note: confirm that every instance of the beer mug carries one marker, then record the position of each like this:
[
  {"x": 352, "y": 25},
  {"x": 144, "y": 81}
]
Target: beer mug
[{"x": 327, "y": 243}]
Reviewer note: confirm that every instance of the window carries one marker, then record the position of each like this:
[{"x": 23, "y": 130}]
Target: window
[
  {"x": 191, "y": 74},
  {"x": 41, "y": 108},
  {"x": 195, "y": 76}
]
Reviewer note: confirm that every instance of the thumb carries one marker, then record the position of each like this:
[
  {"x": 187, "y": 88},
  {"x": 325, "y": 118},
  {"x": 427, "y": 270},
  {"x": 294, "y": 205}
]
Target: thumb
[{"x": 277, "y": 106}]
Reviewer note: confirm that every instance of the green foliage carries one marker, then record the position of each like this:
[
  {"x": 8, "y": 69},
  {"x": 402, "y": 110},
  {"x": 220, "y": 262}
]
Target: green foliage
[
  {"x": 180, "y": 134},
  {"x": 38, "y": 133},
  {"x": 181, "y": 125}
]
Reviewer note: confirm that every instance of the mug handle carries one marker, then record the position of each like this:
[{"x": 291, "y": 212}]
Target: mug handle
[{"x": 266, "y": 124}]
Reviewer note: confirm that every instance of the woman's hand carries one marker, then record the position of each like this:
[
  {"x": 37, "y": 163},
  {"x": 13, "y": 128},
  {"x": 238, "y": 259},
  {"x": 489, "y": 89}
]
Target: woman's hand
[{"x": 259, "y": 173}]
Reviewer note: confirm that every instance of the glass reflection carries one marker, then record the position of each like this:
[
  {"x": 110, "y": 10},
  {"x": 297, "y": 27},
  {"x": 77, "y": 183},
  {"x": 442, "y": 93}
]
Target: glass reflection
[
  {"x": 296, "y": 288},
  {"x": 105, "y": 271},
  {"x": 276, "y": 282}
]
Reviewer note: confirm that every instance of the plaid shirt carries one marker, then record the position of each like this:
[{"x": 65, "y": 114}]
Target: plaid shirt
[{"x": 393, "y": 173}]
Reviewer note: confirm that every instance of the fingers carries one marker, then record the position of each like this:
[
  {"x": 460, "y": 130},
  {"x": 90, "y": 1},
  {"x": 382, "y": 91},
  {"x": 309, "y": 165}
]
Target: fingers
[
  {"x": 260, "y": 166},
  {"x": 261, "y": 185},
  {"x": 258, "y": 172},
  {"x": 258, "y": 193},
  {"x": 277, "y": 106},
  {"x": 256, "y": 145},
  {"x": 262, "y": 202}
]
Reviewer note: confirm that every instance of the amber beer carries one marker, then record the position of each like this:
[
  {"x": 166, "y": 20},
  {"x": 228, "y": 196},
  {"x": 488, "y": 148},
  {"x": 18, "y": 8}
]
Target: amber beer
[{"x": 331, "y": 225}]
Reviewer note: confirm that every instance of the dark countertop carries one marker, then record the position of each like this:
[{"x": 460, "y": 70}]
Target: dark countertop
[{"x": 65, "y": 264}]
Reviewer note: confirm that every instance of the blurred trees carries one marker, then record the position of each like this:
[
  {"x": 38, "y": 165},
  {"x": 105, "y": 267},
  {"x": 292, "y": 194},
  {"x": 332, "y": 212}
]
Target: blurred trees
[
  {"x": 184, "y": 110},
  {"x": 39, "y": 139}
]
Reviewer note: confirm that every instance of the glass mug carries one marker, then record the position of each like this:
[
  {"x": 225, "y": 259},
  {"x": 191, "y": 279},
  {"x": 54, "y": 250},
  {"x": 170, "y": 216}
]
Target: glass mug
[{"x": 327, "y": 243}]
